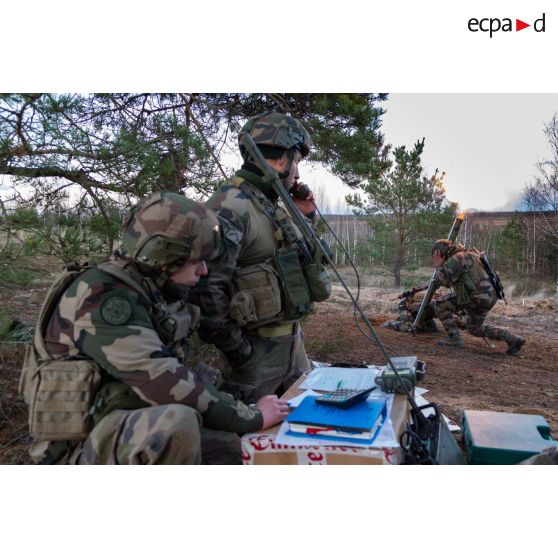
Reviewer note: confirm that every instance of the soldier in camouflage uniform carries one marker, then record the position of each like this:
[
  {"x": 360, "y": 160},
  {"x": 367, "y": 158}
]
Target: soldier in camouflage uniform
[
  {"x": 462, "y": 271},
  {"x": 104, "y": 377},
  {"x": 242, "y": 298},
  {"x": 408, "y": 310}
]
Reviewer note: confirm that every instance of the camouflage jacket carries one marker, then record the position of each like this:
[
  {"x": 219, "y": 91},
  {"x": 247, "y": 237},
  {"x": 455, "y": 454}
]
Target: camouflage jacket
[
  {"x": 105, "y": 319},
  {"x": 463, "y": 272},
  {"x": 249, "y": 239}
]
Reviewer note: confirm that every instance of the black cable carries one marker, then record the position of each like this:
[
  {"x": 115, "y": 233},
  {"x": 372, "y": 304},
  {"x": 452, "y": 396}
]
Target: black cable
[{"x": 359, "y": 327}]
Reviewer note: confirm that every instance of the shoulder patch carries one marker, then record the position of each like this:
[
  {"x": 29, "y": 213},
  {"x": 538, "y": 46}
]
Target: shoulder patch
[
  {"x": 116, "y": 310},
  {"x": 230, "y": 232}
]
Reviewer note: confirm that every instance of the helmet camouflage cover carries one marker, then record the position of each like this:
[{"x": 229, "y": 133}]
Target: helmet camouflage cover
[
  {"x": 275, "y": 129},
  {"x": 167, "y": 228}
]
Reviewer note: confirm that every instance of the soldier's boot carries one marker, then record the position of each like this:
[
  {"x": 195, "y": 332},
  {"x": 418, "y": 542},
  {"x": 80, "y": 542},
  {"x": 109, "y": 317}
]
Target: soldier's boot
[
  {"x": 452, "y": 340},
  {"x": 514, "y": 342},
  {"x": 514, "y": 346}
]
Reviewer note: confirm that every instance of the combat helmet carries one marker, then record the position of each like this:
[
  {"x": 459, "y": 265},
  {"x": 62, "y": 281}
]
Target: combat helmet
[
  {"x": 275, "y": 129},
  {"x": 447, "y": 247},
  {"x": 443, "y": 245},
  {"x": 168, "y": 229}
]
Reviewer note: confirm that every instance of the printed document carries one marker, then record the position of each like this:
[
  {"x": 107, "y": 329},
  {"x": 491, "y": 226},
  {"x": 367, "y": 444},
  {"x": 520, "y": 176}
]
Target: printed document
[{"x": 331, "y": 378}]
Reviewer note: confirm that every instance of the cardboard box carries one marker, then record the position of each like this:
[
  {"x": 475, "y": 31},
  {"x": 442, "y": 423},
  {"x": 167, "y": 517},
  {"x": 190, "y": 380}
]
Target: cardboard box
[{"x": 259, "y": 448}]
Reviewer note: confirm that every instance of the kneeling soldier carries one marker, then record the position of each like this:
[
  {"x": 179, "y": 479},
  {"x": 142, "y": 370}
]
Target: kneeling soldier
[
  {"x": 461, "y": 270},
  {"x": 104, "y": 378}
]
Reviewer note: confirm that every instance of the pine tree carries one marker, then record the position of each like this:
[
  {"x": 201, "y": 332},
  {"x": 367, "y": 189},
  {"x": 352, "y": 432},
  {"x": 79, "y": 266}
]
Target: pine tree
[{"x": 404, "y": 203}]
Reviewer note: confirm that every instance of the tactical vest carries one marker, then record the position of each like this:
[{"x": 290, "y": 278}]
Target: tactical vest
[
  {"x": 469, "y": 281},
  {"x": 67, "y": 396},
  {"x": 280, "y": 289},
  {"x": 58, "y": 391}
]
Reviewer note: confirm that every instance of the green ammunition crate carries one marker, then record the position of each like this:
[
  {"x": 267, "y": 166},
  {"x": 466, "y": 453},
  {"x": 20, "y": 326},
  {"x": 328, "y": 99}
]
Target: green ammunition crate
[{"x": 503, "y": 438}]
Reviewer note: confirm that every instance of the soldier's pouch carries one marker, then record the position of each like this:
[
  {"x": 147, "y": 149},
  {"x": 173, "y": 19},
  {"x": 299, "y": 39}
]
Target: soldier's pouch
[
  {"x": 318, "y": 282},
  {"x": 462, "y": 294},
  {"x": 296, "y": 296},
  {"x": 317, "y": 278},
  {"x": 60, "y": 394},
  {"x": 115, "y": 396},
  {"x": 257, "y": 296},
  {"x": 242, "y": 308}
]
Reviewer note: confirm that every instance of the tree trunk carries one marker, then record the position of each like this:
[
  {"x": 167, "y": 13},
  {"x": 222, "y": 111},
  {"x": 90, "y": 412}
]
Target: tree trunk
[{"x": 397, "y": 267}]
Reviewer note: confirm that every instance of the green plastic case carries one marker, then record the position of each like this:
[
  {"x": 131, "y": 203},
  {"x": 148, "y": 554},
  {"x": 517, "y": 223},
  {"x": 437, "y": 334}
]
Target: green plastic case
[{"x": 492, "y": 438}]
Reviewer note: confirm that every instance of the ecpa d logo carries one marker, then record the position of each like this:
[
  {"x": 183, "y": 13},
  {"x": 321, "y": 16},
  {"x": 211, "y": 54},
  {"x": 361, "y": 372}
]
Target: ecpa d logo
[{"x": 492, "y": 25}]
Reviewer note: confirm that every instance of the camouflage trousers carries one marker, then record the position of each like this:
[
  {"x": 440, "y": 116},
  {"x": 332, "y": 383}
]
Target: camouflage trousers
[
  {"x": 160, "y": 435},
  {"x": 477, "y": 310},
  {"x": 405, "y": 323},
  {"x": 273, "y": 366},
  {"x": 406, "y": 326}
]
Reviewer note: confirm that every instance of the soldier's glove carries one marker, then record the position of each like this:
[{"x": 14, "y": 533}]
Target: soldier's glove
[{"x": 207, "y": 375}]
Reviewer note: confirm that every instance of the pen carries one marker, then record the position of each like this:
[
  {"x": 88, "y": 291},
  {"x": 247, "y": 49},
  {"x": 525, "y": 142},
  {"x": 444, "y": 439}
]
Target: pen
[{"x": 339, "y": 384}]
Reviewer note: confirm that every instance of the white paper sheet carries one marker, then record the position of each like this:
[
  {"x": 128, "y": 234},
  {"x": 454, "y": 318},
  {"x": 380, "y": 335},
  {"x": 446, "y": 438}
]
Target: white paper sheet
[{"x": 331, "y": 378}]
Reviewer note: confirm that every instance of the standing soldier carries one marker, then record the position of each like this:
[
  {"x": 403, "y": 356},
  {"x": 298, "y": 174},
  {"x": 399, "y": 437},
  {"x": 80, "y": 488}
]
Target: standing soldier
[
  {"x": 462, "y": 271},
  {"x": 244, "y": 302},
  {"x": 103, "y": 377}
]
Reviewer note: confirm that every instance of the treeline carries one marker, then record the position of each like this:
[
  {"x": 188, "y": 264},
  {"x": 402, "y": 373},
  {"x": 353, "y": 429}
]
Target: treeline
[
  {"x": 520, "y": 245},
  {"x": 67, "y": 234},
  {"x": 517, "y": 245}
]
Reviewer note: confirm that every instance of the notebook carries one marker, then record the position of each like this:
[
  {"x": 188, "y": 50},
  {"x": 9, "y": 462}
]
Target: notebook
[{"x": 361, "y": 422}]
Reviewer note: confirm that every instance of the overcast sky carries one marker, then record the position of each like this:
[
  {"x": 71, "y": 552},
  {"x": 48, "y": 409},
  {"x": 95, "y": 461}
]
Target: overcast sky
[{"x": 487, "y": 143}]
